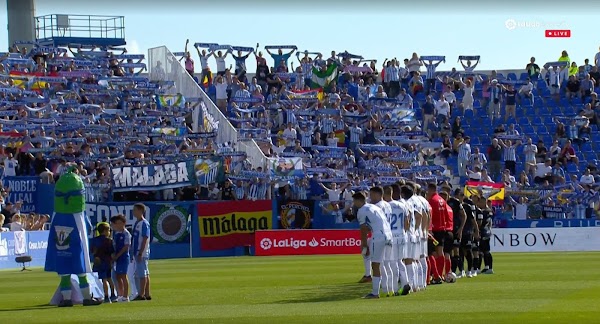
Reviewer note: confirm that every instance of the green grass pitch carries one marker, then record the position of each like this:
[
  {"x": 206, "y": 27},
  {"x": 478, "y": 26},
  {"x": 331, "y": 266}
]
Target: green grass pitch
[{"x": 527, "y": 288}]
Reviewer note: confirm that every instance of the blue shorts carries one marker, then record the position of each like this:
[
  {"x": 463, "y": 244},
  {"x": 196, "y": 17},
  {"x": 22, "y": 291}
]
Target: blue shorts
[
  {"x": 103, "y": 272},
  {"x": 121, "y": 266},
  {"x": 141, "y": 268}
]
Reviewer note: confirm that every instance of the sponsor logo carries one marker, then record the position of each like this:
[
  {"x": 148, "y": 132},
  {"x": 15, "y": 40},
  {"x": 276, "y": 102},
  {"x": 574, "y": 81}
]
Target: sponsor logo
[
  {"x": 234, "y": 223},
  {"x": 295, "y": 215},
  {"x": 308, "y": 242},
  {"x": 63, "y": 237},
  {"x": 40, "y": 245},
  {"x": 169, "y": 224},
  {"x": 528, "y": 239}
]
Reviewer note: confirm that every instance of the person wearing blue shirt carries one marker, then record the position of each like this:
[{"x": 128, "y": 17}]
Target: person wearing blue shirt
[
  {"x": 280, "y": 57},
  {"x": 122, "y": 243},
  {"x": 141, "y": 251}
]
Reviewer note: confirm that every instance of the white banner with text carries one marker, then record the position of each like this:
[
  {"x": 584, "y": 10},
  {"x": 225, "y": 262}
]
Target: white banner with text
[{"x": 571, "y": 239}]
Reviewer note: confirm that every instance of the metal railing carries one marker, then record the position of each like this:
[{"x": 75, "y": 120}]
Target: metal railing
[
  {"x": 91, "y": 26},
  {"x": 164, "y": 66}
]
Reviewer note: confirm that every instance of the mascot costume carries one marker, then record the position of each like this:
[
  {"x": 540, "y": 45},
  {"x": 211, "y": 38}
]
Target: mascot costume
[{"x": 68, "y": 249}]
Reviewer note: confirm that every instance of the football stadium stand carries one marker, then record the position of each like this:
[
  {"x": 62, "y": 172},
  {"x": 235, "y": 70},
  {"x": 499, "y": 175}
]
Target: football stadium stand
[{"x": 303, "y": 126}]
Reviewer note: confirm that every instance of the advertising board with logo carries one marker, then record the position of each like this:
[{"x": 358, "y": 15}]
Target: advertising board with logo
[
  {"x": 14, "y": 244},
  {"x": 307, "y": 242},
  {"x": 570, "y": 239},
  {"x": 229, "y": 224},
  {"x": 169, "y": 222},
  {"x": 295, "y": 214}
]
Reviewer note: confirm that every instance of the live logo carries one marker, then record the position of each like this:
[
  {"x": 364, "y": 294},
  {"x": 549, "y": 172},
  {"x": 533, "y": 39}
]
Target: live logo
[{"x": 558, "y": 33}]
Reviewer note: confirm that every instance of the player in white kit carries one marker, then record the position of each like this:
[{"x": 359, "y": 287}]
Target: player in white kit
[
  {"x": 417, "y": 206},
  {"x": 372, "y": 220},
  {"x": 425, "y": 226},
  {"x": 376, "y": 198},
  {"x": 399, "y": 223},
  {"x": 406, "y": 192}
]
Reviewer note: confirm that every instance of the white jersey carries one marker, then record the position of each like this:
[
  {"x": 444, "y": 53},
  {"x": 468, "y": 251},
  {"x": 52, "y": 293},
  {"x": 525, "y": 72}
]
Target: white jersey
[
  {"x": 386, "y": 208},
  {"x": 375, "y": 219},
  {"x": 418, "y": 208},
  {"x": 410, "y": 213},
  {"x": 399, "y": 214}
]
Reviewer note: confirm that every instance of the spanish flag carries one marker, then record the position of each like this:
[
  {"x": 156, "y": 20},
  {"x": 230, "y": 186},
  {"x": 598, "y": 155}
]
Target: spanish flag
[
  {"x": 489, "y": 190},
  {"x": 341, "y": 136}
]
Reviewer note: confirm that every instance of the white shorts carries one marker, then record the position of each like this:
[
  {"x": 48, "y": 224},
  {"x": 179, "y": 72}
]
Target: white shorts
[
  {"x": 423, "y": 248},
  {"x": 378, "y": 250},
  {"x": 369, "y": 241}
]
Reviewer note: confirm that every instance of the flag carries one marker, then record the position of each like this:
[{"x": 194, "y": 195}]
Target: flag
[
  {"x": 491, "y": 191},
  {"x": 163, "y": 101},
  {"x": 340, "y": 134},
  {"x": 322, "y": 79},
  {"x": 188, "y": 228}
]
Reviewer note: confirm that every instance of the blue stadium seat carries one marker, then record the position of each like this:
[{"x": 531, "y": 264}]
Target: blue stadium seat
[
  {"x": 523, "y": 121},
  {"x": 537, "y": 121},
  {"x": 523, "y": 76},
  {"x": 572, "y": 168},
  {"x": 511, "y": 76}
]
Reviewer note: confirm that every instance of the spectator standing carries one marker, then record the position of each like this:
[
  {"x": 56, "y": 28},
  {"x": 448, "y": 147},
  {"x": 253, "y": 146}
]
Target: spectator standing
[
  {"x": 464, "y": 156},
  {"x": 495, "y": 159}
]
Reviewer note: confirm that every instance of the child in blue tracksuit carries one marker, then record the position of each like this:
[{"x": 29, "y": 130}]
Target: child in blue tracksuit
[
  {"x": 121, "y": 242},
  {"x": 102, "y": 252}
]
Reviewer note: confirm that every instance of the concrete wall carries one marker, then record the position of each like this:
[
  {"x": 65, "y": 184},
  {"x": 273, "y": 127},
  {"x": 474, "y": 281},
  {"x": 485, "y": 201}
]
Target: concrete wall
[{"x": 21, "y": 20}]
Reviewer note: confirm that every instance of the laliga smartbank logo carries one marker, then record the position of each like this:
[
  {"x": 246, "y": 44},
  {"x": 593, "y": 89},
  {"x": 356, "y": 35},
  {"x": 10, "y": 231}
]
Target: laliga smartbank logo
[{"x": 267, "y": 244}]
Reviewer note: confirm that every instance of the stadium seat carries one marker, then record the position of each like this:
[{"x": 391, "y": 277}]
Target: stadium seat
[
  {"x": 523, "y": 76},
  {"x": 511, "y": 76}
]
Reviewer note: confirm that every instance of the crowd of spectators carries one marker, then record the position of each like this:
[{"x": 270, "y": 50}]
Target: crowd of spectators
[{"x": 352, "y": 123}]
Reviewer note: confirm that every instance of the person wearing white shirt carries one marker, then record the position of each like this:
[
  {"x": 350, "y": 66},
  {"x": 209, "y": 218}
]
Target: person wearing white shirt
[
  {"x": 376, "y": 198},
  {"x": 450, "y": 97},
  {"x": 554, "y": 79},
  {"x": 543, "y": 171},
  {"x": 15, "y": 224},
  {"x": 526, "y": 91},
  {"x": 442, "y": 108},
  {"x": 372, "y": 220},
  {"x": 290, "y": 135},
  {"x": 10, "y": 166},
  {"x": 587, "y": 178},
  {"x": 221, "y": 85},
  {"x": 399, "y": 225}
]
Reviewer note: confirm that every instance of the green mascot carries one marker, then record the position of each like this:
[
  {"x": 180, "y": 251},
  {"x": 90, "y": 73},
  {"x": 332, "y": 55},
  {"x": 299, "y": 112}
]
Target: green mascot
[{"x": 68, "y": 245}]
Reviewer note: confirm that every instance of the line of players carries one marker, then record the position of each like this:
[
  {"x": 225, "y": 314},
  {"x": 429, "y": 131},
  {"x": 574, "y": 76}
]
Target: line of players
[{"x": 411, "y": 240}]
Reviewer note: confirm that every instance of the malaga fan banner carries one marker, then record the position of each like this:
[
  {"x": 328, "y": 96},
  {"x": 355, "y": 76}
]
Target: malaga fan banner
[
  {"x": 167, "y": 175},
  {"x": 491, "y": 191},
  {"x": 229, "y": 224}
]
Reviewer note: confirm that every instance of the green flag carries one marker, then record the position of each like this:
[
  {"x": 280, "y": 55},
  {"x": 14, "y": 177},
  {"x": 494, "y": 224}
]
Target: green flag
[{"x": 322, "y": 79}]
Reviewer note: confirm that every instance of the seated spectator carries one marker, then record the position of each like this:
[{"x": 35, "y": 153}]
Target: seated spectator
[
  {"x": 526, "y": 91},
  {"x": 567, "y": 155},
  {"x": 457, "y": 127},
  {"x": 523, "y": 180},
  {"x": 17, "y": 223},
  {"x": 558, "y": 174},
  {"x": 446, "y": 147},
  {"x": 416, "y": 83},
  {"x": 573, "y": 87},
  {"x": 2, "y": 228},
  {"x": 485, "y": 177},
  {"x": 540, "y": 156},
  {"x": 587, "y": 87},
  {"x": 587, "y": 179},
  {"x": 474, "y": 174},
  {"x": 508, "y": 179},
  {"x": 561, "y": 131},
  {"x": 543, "y": 172}
]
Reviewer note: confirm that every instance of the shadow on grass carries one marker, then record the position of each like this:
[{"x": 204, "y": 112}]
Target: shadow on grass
[
  {"x": 28, "y": 308},
  {"x": 327, "y": 294}
]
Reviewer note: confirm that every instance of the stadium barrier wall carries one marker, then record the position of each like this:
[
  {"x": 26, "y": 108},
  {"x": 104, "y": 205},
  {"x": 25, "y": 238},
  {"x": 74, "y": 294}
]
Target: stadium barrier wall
[
  {"x": 570, "y": 239},
  {"x": 13, "y": 244}
]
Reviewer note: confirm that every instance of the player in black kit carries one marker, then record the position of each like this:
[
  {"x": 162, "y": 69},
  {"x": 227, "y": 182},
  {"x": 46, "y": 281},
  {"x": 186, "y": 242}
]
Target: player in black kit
[
  {"x": 487, "y": 219},
  {"x": 469, "y": 235},
  {"x": 459, "y": 224}
]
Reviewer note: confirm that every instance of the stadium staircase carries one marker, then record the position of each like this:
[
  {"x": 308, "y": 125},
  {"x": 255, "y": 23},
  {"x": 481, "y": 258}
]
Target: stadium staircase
[{"x": 185, "y": 85}]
